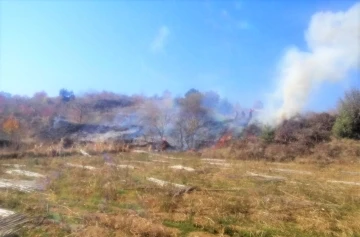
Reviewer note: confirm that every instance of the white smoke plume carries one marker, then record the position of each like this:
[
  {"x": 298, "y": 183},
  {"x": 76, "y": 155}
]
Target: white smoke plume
[{"x": 333, "y": 41}]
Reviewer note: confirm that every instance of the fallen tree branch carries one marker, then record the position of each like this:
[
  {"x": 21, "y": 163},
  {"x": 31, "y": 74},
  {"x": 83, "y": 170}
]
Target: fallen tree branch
[
  {"x": 292, "y": 171},
  {"x": 266, "y": 177},
  {"x": 84, "y": 153},
  {"x": 180, "y": 167},
  {"x": 163, "y": 183},
  {"x": 343, "y": 182},
  {"x": 10, "y": 224},
  {"x": 81, "y": 166}
]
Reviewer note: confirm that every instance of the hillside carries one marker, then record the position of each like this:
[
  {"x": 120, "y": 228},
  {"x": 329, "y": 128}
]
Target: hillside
[{"x": 198, "y": 121}]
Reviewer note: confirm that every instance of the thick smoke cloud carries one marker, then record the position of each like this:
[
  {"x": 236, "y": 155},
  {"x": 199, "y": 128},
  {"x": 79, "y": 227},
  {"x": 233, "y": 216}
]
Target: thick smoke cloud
[{"x": 333, "y": 42}]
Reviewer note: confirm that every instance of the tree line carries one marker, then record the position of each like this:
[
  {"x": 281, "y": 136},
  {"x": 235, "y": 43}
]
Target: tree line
[{"x": 191, "y": 121}]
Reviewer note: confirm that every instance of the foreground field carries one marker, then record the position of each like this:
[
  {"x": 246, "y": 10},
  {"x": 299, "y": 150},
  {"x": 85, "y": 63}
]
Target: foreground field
[{"x": 123, "y": 195}]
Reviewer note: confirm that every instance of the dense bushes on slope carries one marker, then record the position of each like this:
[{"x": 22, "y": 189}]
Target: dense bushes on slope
[{"x": 347, "y": 124}]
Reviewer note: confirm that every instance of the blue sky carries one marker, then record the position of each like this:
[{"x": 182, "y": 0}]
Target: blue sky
[{"x": 132, "y": 47}]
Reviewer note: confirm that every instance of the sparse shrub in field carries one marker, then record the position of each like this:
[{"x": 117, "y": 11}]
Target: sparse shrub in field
[
  {"x": 325, "y": 153},
  {"x": 66, "y": 142},
  {"x": 277, "y": 152},
  {"x": 246, "y": 149},
  {"x": 296, "y": 149},
  {"x": 268, "y": 134},
  {"x": 109, "y": 191},
  {"x": 334, "y": 152},
  {"x": 255, "y": 151},
  {"x": 347, "y": 123}
]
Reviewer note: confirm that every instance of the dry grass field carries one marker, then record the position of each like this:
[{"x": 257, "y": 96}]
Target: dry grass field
[{"x": 120, "y": 196}]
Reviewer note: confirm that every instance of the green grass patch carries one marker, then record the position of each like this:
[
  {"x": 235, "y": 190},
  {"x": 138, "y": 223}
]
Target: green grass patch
[{"x": 185, "y": 227}]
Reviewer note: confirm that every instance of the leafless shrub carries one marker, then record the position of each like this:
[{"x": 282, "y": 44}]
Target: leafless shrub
[
  {"x": 307, "y": 131},
  {"x": 248, "y": 149},
  {"x": 278, "y": 152},
  {"x": 66, "y": 142},
  {"x": 286, "y": 132}
]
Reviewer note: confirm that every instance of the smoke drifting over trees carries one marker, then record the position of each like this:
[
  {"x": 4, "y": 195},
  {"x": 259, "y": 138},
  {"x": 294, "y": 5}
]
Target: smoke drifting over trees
[{"x": 194, "y": 120}]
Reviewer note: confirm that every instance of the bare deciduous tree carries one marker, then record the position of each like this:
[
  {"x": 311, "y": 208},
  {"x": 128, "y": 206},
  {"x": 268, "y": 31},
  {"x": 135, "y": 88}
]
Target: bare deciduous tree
[
  {"x": 156, "y": 118},
  {"x": 192, "y": 117},
  {"x": 79, "y": 111}
]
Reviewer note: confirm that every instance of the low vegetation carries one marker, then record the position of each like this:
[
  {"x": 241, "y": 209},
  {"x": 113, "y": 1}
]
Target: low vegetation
[
  {"x": 110, "y": 201},
  {"x": 348, "y": 121}
]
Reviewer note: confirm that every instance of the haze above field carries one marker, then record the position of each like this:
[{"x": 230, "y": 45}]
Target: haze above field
[{"x": 232, "y": 47}]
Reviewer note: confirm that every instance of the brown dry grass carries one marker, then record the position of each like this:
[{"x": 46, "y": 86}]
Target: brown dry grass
[
  {"x": 334, "y": 151},
  {"x": 55, "y": 150},
  {"x": 121, "y": 202}
]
